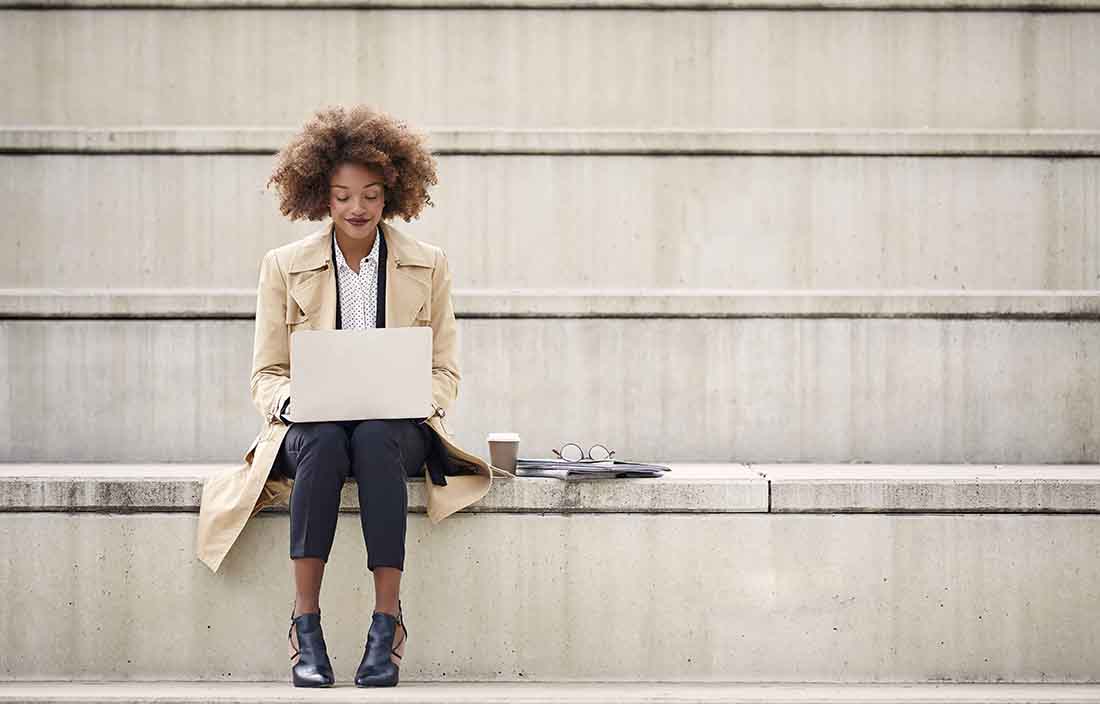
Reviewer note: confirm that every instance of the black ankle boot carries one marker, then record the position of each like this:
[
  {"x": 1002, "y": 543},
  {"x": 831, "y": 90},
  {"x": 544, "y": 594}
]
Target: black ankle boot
[
  {"x": 382, "y": 655},
  {"x": 312, "y": 667}
]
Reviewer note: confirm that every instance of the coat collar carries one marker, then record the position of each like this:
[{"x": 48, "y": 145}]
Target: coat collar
[
  {"x": 312, "y": 278},
  {"x": 316, "y": 249}
]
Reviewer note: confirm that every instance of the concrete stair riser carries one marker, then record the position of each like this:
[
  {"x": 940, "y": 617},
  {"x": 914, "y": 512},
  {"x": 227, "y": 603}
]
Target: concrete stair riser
[
  {"x": 664, "y": 68},
  {"x": 512, "y": 597},
  {"x": 740, "y": 222},
  {"x": 755, "y": 390}
]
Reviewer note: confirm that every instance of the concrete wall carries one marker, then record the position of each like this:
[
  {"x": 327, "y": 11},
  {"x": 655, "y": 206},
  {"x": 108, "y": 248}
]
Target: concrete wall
[{"x": 742, "y": 389}]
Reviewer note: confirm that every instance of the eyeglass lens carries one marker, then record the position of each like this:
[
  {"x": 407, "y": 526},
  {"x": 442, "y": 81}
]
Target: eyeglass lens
[
  {"x": 572, "y": 452},
  {"x": 598, "y": 452}
]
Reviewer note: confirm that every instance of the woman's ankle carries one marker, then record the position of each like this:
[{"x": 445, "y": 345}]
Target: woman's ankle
[
  {"x": 305, "y": 608},
  {"x": 386, "y": 608}
]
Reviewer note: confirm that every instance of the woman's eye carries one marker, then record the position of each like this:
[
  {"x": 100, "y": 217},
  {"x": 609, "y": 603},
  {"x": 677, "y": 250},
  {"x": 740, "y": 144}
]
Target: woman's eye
[
  {"x": 341, "y": 199},
  {"x": 372, "y": 197}
]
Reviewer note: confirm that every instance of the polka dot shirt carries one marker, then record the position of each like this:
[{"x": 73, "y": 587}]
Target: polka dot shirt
[{"x": 359, "y": 292}]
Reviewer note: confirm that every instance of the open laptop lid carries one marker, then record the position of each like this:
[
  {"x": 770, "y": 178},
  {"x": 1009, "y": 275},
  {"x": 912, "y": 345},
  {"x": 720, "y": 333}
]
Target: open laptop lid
[{"x": 364, "y": 374}]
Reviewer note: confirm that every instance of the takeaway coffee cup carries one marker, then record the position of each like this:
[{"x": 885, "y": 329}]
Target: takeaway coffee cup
[{"x": 503, "y": 450}]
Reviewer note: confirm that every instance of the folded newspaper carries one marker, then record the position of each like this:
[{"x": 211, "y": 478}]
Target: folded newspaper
[{"x": 586, "y": 469}]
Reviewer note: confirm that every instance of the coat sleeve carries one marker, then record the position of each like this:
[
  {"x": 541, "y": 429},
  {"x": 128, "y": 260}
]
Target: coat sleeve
[
  {"x": 270, "y": 384},
  {"x": 445, "y": 372}
]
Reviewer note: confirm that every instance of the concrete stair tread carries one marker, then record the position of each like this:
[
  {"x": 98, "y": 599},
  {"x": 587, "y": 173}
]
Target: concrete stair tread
[
  {"x": 558, "y": 692},
  {"x": 706, "y": 487},
  {"x": 929, "y": 472},
  {"x": 680, "y": 471},
  {"x": 145, "y": 471},
  {"x": 185, "y": 139},
  {"x": 688, "y": 487},
  {"x": 220, "y": 303},
  {"x": 804, "y": 488}
]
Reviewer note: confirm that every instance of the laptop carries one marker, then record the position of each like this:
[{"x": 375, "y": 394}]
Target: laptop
[{"x": 365, "y": 374}]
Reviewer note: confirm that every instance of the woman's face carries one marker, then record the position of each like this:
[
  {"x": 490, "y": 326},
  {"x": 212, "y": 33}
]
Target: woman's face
[{"x": 356, "y": 199}]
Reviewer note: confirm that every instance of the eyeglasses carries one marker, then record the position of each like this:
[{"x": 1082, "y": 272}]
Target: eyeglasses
[{"x": 572, "y": 452}]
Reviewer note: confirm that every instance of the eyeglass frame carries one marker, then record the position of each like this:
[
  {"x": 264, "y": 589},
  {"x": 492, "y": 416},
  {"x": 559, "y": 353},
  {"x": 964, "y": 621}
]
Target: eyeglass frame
[{"x": 585, "y": 456}]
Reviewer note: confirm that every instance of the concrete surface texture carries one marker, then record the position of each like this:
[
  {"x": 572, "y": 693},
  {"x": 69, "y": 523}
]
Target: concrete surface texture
[
  {"x": 573, "y": 597},
  {"x": 786, "y": 239},
  {"x": 709, "y": 5},
  {"x": 809, "y": 222},
  {"x": 691, "y": 303},
  {"x": 543, "y": 693},
  {"x": 686, "y": 488},
  {"x": 100, "y": 552},
  {"x": 745, "y": 390},
  {"x": 574, "y": 141},
  {"x": 555, "y": 68}
]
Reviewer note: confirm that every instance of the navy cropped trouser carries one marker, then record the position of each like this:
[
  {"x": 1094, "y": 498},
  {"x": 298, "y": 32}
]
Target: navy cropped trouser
[{"x": 380, "y": 455}]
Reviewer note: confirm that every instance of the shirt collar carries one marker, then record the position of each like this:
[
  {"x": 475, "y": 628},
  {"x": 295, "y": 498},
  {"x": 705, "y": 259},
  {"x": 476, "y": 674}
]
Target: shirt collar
[{"x": 342, "y": 263}]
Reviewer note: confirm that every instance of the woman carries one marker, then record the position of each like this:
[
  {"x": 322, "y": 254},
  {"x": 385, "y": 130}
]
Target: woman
[{"x": 360, "y": 168}]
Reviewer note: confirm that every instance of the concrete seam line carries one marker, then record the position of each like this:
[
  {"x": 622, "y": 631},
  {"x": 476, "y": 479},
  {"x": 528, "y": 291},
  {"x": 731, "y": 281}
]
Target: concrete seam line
[
  {"x": 272, "y": 511},
  {"x": 1039, "y": 317},
  {"x": 653, "y": 303},
  {"x": 1032, "y": 6},
  {"x": 677, "y": 142}
]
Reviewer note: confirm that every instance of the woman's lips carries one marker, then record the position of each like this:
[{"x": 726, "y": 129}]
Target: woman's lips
[{"x": 358, "y": 222}]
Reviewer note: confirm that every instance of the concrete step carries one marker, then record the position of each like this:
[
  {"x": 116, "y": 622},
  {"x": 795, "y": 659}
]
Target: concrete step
[
  {"x": 756, "y": 389},
  {"x": 760, "y": 222},
  {"x": 990, "y": 579},
  {"x": 709, "y": 487},
  {"x": 544, "y": 303},
  {"x": 503, "y": 141},
  {"x": 793, "y": 5},
  {"x": 543, "y": 693},
  {"x": 687, "y": 488},
  {"x": 557, "y": 68}
]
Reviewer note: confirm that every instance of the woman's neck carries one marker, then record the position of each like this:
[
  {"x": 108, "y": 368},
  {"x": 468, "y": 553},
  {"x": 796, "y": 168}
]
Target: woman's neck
[{"x": 355, "y": 250}]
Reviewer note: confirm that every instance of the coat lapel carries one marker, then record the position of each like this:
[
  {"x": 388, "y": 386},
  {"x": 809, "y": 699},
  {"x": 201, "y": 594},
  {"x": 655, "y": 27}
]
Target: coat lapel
[
  {"x": 311, "y": 283},
  {"x": 408, "y": 278}
]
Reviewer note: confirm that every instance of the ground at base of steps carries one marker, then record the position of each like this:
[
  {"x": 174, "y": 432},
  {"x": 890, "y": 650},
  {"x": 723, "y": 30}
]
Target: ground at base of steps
[{"x": 549, "y": 692}]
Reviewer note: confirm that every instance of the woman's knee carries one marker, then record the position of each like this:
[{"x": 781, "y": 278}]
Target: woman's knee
[
  {"x": 327, "y": 440},
  {"x": 375, "y": 435}
]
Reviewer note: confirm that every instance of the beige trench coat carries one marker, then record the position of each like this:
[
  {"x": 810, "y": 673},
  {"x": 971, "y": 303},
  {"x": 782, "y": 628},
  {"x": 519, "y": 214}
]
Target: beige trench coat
[{"x": 297, "y": 291}]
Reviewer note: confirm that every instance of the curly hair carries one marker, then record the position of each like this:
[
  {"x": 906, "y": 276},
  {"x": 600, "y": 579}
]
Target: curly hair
[{"x": 359, "y": 135}]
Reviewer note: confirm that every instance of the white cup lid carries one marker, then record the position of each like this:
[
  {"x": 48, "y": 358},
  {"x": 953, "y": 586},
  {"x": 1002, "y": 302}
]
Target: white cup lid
[{"x": 503, "y": 437}]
